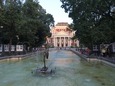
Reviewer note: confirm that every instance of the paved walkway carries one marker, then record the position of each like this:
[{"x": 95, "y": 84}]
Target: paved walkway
[{"x": 106, "y": 60}]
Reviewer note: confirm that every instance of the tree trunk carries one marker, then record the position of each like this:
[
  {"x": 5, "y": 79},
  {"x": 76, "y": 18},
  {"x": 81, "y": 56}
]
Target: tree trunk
[
  {"x": 2, "y": 49},
  {"x": 44, "y": 60},
  {"x": 15, "y": 50},
  {"x": 10, "y": 43}
]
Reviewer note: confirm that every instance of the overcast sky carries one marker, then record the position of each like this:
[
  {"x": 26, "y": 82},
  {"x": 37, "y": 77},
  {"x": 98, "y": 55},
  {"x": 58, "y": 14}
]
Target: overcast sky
[{"x": 54, "y": 7}]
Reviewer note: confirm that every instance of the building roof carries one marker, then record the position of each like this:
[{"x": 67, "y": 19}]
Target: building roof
[{"x": 62, "y": 24}]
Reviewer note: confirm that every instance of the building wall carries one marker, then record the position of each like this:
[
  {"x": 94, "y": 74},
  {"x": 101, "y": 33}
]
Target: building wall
[{"x": 61, "y": 36}]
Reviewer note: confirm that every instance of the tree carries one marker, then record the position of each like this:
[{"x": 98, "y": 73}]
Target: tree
[
  {"x": 94, "y": 20},
  {"x": 11, "y": 12},
  {"x": 37, "y": 22},
  {"x": 24, "y": 22}
]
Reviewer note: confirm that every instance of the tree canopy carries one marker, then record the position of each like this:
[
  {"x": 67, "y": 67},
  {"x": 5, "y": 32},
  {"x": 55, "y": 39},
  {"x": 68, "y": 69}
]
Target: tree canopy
[
  {"x": 93, "y": 20},
  {"x": 24, "y": 21}
]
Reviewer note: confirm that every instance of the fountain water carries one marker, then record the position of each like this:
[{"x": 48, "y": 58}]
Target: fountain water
[
  {"x": 70, "y": 71},
  {"x": 44, "y": 69}
]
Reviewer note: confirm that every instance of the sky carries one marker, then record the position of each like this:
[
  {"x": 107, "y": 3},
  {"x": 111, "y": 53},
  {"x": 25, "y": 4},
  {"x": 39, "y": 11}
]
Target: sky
[{"x": 54, "y": 8}]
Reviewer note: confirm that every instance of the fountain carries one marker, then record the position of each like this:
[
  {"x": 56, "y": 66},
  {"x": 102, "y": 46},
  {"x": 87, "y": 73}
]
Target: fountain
[
  {"x": 70, "y": 71},
  {"x": 44, "y": 69}
]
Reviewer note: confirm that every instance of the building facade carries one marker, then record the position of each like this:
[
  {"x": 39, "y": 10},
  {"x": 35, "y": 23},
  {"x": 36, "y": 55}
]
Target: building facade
[{"x": 62, "y": 36}]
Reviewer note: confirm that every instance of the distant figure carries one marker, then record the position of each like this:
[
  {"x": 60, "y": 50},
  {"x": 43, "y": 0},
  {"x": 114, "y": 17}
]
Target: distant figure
[
  {"x": 108, "y": 52},
  {"x": 103, "y": 52},
  {"x": 88, "y": 51}
]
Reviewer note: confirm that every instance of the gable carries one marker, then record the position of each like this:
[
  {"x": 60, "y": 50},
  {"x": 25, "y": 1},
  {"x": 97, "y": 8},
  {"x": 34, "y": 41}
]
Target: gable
[{"x": 61, "y": 33}]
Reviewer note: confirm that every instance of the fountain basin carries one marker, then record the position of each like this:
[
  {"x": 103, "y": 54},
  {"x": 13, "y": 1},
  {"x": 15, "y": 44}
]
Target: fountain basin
[
  {"x": 43, "y": 70},
  {"x": 70, "y": 71}
]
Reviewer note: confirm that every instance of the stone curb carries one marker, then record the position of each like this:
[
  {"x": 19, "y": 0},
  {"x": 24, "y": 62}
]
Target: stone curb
[{"x": 87, "y": 59}]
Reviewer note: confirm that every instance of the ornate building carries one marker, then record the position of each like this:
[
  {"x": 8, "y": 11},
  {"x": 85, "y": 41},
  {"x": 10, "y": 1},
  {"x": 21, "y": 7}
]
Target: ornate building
[{"x": 62, "y": 36}]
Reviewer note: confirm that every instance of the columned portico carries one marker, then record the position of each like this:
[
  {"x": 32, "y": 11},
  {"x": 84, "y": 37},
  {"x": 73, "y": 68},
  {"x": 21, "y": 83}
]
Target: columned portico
[
  {"x": 61, "y": 35},
  {"x": 62, "y": 41}
]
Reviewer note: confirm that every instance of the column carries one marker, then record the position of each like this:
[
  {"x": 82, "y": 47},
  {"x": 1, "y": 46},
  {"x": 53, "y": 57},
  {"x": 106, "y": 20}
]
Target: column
[
  {"x": 77, "y": 43},
  {"x": 54, "y": 41},
  {"x": 69, "y": 42},
  {"x": 60, "y": 41},
  {"x": 64, "y": 42}
]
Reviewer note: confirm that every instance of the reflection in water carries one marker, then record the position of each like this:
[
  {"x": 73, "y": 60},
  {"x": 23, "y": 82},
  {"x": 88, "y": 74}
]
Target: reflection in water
[
  {"x": 64, "y": 61},
  {"x": 70, "y": 71}
]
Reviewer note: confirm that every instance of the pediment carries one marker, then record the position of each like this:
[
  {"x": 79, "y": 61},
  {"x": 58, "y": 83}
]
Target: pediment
[{"x": 62, "y": 33}]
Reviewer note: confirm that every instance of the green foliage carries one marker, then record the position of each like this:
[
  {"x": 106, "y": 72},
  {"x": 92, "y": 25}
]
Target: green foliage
[
  {"x": 25, "y": 22},
  {"x": 94, "y": 20}
]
